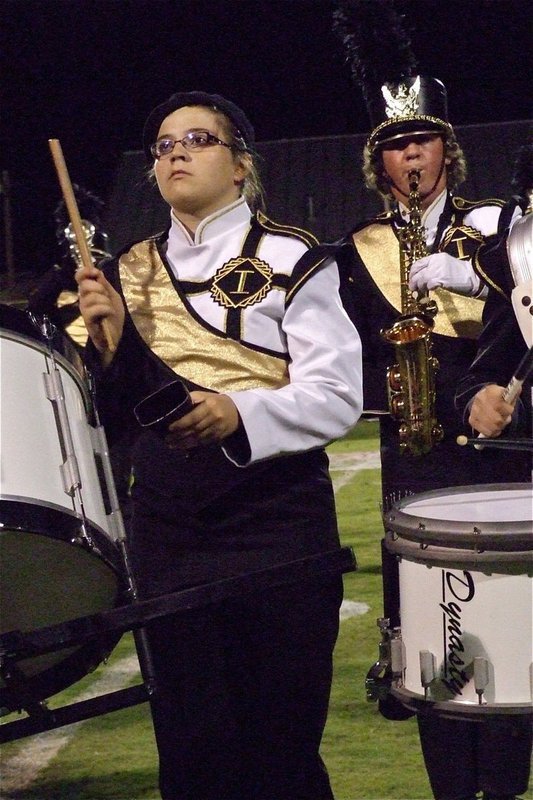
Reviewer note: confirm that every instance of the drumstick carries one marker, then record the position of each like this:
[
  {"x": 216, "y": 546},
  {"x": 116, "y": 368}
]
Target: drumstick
[
  {"x": 504, "y": 444},
  {"x": 72, "y": 207},
  {"x": 509, "y": 395},
  {"x": 521, "y": 373}
]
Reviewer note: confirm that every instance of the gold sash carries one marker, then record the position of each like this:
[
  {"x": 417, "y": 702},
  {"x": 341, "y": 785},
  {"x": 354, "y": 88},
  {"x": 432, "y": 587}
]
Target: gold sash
[
  {"x": 75, "y": 329},
  {"x": 184, "y": 344},
  {"x": 379, "y": 249}
]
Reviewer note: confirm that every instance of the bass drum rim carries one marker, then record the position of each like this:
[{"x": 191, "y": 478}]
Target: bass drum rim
[{"x": 30, "y": 519}]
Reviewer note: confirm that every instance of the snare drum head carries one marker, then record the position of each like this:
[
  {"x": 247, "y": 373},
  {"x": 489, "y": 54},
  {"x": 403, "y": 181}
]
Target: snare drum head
[
  {"x": 493, "y": 517},
  {"x": 47, "y": 579}
]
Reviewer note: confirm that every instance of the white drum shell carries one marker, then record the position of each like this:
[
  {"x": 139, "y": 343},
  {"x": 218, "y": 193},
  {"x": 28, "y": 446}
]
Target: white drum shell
[
  {"x": 522, "y": 301},
  {"x": 495, "y": 623},
  {"x": 30, "y": 443},
  {"x": 520, "y": 249}
]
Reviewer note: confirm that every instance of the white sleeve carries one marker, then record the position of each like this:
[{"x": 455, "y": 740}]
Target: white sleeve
[
  {"x": 324, "y": 398},
  {"x": 484, "y": 219}
]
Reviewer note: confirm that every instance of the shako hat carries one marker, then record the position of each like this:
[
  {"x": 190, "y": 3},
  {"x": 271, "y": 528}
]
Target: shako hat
[
  {"x": 416, "y": 104},
  {"x": 244, "y": 127},
  {"x": 398, "y": 98}
]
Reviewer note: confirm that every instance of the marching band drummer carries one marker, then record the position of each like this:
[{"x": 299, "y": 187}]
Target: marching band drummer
[
  {"x": 504, "y": 341},
  {"x": 241, "y": 482},
  {"x": 506, "y": 264},
  {"x": 480, "y": 392},
  {"x": 411, "y": 131}
]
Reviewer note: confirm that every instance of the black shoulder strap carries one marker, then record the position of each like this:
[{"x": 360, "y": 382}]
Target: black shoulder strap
[
  {"x": 270, "y": 226},
  {"x": 308, "y": 264}
]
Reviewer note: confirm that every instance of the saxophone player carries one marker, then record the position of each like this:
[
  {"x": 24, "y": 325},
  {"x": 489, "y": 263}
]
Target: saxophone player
[
  {"x": 422, "y": 139},
  {"x": 459, "y": 756},
  {"x": 410, "y": 131}
]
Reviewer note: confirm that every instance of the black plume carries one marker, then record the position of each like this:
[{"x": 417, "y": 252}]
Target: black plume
[{"x": 378, "y": 48}]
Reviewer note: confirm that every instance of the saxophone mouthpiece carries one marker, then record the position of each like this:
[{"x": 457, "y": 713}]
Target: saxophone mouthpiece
[{"x": 414, "y": 179}]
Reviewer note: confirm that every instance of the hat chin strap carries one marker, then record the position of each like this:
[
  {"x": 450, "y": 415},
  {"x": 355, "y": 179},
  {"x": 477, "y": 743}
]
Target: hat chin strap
[{"x": 390, "y": 182}]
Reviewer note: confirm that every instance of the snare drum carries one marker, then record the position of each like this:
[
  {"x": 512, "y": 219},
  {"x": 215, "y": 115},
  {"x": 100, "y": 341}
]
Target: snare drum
[
  {"x": 464, "y": 646},
  {"x": 58, "y": 559}
]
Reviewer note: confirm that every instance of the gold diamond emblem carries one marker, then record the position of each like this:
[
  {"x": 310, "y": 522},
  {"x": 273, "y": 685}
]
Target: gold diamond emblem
[{"x": 241, "y": 282}]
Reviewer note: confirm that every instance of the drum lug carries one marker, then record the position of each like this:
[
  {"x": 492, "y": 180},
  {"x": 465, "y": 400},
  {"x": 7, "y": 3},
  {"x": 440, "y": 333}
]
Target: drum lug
[
  {"x": 390, "y": 665},
  {"x": 481, "y": 676},
  {"x": 69, "y": 469},
  {"x": 377, "y": 683},
  {"x": 101, "y": 452},
  {"x": 397, "y": 655},
  {"x": 428, "y": 671}
]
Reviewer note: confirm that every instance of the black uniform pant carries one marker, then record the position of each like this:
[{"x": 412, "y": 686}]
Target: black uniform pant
[
  {"x": 465, "y": 757},
  {"x": 242, "y": 696},
  {"x": 242, "y": 686}
]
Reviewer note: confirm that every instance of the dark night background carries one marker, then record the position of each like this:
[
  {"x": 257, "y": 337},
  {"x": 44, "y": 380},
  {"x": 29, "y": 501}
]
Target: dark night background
[{"x": 89, "y": 71}]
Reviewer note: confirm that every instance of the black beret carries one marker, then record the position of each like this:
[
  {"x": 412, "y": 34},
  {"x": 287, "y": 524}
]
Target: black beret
[{"x": 159, "y": 113}]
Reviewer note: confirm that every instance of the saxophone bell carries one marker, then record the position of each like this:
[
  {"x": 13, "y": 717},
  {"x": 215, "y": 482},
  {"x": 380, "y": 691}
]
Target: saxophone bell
[{"x": 411, "y": 384}]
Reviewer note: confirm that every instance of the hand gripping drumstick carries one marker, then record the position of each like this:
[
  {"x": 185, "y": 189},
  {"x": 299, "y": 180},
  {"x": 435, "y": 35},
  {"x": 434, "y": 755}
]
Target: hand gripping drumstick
[
  {"x": 72, "y": 207},
  {"x": 511, "y": 390}
]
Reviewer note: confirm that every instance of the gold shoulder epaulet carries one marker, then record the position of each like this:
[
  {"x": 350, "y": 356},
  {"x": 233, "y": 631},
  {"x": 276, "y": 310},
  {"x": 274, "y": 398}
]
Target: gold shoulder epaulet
[
  {"x": 383, "y": 218},
  {"x": 286, "y": 230},
  {"x": 461, "y": 204}
]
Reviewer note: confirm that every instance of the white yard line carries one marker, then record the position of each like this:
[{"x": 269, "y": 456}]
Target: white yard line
[
  {"x": 351, "y": 608},
  {"x": 342, "y": 467},
  {"x": 22, "y": 769}
]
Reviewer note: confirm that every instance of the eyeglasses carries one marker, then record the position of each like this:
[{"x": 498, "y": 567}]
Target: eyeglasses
[{"x": 194, "y": 140}]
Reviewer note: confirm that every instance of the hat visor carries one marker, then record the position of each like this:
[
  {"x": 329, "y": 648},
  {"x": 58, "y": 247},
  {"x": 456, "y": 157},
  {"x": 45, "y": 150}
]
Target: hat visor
[{"x": 415, "y": 126}]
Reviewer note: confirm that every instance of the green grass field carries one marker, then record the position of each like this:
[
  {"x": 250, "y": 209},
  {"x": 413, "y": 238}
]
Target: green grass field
[{"x": 113, "y": 757}]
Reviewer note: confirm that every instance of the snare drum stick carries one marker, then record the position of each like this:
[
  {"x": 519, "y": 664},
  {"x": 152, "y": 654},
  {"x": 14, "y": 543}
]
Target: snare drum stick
[
  {"x": 521, "y": 373},
  {"x": 72, "y": 207},
  {"x": 498, "y": 443}
]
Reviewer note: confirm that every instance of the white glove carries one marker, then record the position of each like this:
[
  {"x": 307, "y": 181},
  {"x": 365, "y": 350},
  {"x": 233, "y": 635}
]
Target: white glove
[{"x": 441, "y": 269}]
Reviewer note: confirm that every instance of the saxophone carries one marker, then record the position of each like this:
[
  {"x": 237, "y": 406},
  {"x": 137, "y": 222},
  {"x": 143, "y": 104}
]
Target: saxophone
[{"x": 411, "y": 380}]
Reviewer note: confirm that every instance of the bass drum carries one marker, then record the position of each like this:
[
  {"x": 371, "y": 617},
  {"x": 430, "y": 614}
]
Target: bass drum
[
  {"x": 464, "y": 645},
  {"x": 58, "y": 558}
]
